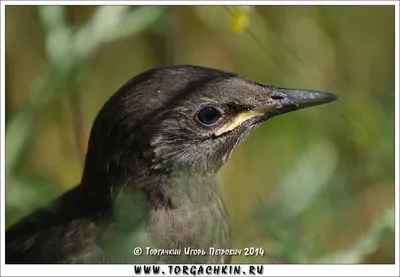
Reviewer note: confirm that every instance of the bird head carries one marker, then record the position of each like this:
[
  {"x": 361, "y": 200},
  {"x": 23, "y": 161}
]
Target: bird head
[{"x": 185, "y": 118}]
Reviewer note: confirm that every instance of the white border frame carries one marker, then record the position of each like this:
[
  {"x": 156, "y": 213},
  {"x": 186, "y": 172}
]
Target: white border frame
[{"x": 269, "y": 270}]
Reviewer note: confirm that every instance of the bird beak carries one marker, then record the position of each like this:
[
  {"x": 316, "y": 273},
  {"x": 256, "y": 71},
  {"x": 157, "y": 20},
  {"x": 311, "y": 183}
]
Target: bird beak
[
  {"x": 283, "y": 100},
  {"x": 279, "y": 101}
]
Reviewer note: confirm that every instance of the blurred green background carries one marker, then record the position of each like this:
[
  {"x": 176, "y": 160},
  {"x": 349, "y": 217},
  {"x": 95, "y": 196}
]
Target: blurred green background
[{"x": 312, "y": 186}]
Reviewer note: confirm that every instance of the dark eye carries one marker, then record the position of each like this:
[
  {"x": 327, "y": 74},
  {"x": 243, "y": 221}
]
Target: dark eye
[{"x": 208, "y": 116}]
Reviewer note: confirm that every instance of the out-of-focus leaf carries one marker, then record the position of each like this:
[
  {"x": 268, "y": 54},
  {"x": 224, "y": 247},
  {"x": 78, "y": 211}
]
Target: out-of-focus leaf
[
  {"x": 311, "y": 173},
  {"x": 58, "y": 38},
  {"x": 111, "y": 23},
  {"x": 18, "y": 133},
  {"x": 24, "y": 196},
  {"x": 19, "y": 128},
  {"x": 368, "y": 243}
]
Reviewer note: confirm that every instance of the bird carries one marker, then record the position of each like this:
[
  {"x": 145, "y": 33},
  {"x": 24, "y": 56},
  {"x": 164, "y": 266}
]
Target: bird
[{"x": 149, "y": 192}]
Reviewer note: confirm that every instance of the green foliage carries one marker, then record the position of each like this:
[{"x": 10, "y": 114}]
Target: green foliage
[
  {"x": 312, "y": 186},
  {"x": 368, "y": 243}
]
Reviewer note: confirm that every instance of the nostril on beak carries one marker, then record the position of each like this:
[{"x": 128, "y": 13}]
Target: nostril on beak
[{"x": 277, "y": 97}]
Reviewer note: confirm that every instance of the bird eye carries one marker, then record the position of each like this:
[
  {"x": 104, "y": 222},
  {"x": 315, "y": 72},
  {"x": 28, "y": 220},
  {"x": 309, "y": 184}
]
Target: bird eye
[{"x": 208, "y": 116}]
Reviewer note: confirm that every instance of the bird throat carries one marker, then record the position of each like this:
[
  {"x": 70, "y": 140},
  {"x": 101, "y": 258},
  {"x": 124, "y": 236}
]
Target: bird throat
[{"x": 192, "y": 215}]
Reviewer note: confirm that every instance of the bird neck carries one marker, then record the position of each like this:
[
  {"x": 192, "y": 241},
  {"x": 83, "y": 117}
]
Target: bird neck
[
  {"x": 174, "y": 190},
  {"x": 194, "y": 214}
]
